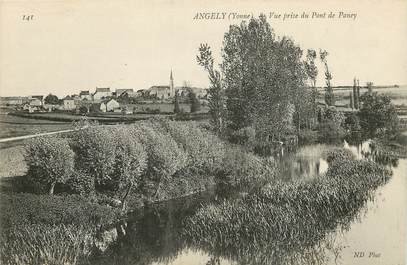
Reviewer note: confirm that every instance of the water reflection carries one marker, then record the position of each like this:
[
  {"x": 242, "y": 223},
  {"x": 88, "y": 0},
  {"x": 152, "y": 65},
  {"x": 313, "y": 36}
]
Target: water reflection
[
  {"x": 157, "y": 234},
  {"x": 307, "y": 162}
]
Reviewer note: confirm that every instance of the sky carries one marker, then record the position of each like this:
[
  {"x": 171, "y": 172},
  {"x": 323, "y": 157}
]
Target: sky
[{"x": 73, "y": 45}]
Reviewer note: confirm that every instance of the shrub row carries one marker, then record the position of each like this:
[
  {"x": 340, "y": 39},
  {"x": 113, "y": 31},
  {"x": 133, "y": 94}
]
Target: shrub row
[{"x": 138, "y": 159}]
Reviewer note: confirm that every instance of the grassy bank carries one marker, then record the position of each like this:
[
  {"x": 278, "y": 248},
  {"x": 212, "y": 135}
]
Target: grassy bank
[
  {"x": 286, "y": 217},
  {"x": 43, "y": 229},
  {"x": 98, "y": 174}
]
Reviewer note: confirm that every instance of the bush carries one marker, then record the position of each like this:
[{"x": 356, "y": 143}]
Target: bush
[
  {"x": 50, "y": 161},
  {"x": 307, "y": 136},
  {"x": 25, "y": 209},
  {"x": 330, "y": 132},
  {"x": 164, "y": 157},
  {"x": 245, "y": 136},
  {"x": 95, "y": 150},
  {"x": 338, "y": 154},
  {"x": 244, "y": 171},
  {"x": 352, "y": 123},
  {"x": 81, "y": 183},
  {"x": 205, "y": 151},
  {"x": 131, "y": 161}
]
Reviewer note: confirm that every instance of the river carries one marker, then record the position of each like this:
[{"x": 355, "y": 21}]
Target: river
[{"x": 377, "y": 234}]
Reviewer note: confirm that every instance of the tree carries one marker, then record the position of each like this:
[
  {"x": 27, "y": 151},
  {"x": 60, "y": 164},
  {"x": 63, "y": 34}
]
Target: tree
[
  {"x": 369, "y": 86},
  {"x": 194, "y": 101},
  {"x": 83, "y": 109},
  {"x": 131, "y": 161},
  {"x": 50, "y": 161},
  {"x": 312, "y": 73},
  {"x": 310, "y": 67},
  {"x": 165, "y": 157},
  {"x": 51, "y": 99},
  {"x": 216, "y": 94},
  {"x": 355, "y": 94},
  {"x": 377, "y": 114},
  {"x": 95, "y": 154},
  {"x": 262, "y": 78},
  {"x": 177, "y": 109},
  {"x": 329, "y": 94}
]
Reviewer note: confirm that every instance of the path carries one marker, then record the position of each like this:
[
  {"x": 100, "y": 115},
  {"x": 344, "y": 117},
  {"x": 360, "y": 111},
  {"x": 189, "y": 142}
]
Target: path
[{"x": 4, "y": 140}]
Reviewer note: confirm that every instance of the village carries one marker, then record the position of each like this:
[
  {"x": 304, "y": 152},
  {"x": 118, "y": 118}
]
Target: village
[{"x": 106, "y": 99}]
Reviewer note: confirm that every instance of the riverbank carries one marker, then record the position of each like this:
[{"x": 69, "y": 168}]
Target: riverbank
[{"x": 203, "y": 161}]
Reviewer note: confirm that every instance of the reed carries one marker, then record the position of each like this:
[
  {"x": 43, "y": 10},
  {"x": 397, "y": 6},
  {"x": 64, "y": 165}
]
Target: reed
[
  {"x": 46, "y": 244},
  {"x": 284, "y": 217}
]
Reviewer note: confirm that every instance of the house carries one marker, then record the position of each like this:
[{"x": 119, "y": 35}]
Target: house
[
  {"x": 85, "y": 95},
  {"x": 36, "y": 101},
  {"x": 109, "y": 105},
  {"x": 119, "y": 92},
  {"x": 140, "y": 93},
  {"x": 184, "y": 91},
  {"x": 69, "y": 103},
  {"x": 13, "y": 101},
  {"x": 163, "y": 92},
  {"x": 50, "y": 107},
  {"x": 101, "y": 93},
  {"x": 160, "y": 92}
]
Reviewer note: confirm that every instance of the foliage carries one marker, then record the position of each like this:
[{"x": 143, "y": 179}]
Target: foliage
[
  {"x": 329, "y": 131},
  {"x": 204, "y": 150},
  {"x": 50, "y": 160},
  {"x": 45, "y": 244},
  {"x": 195, "y": 104},
  {"x": 334, "y": 115},
  {"x": 310, "y": 67},
  {"x": 329, "y": 94},
  {"x": 244, "y": 171},
  {"x": 352, "y": 123},
  {"x": 377, "y": 114},
  {"x": 216, "y": 94},
  {"x": 338, "y": 154},
  {"x": 95, "y": 153},
  {"x": 177, "y": 108},
  {"x": 51, "y": 99},
  {"x": 331, "y": 124},
  {"x": 308, "y": 136},
  {"x": 164, "y": 157},
  {"x": 285, "y": 216},
  {"x": 305, "y": 107},
  {"x": 244, "y": 136},
  {"x": 262, "y": 75},
  {"x": 25, "y": 209},
  {"x": 81, "y": 183},
  {"x": 131, "y": 161},
  {"x": 83, "y": 109}
]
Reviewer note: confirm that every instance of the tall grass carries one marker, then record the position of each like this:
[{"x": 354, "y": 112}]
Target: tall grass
[
  {"x": 285, "y": 217},
  {"x": 45, "y": 244}
]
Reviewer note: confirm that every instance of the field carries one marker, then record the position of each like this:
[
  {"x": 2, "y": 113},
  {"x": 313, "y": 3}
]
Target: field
[
  {"x": 398, "y": 95},
  {"x": 12, "y": 126}
]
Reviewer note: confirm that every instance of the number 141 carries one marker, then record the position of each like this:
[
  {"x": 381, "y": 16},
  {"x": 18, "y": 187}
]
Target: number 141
[{"x": 28, "y": 17}]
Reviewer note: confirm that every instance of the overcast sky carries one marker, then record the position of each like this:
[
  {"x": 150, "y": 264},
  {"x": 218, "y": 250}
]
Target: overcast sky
[{"x": 79, "y": 45}]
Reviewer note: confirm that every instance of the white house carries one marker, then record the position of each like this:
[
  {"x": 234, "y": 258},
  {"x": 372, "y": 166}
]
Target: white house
[
  {"x": 109, "y": 105},
  {"x": 101, "y": 93},
  {"x": 35, "y": 102},
  {"x": 69, "y": 103},
  {"x": 85, "y": 95}
]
